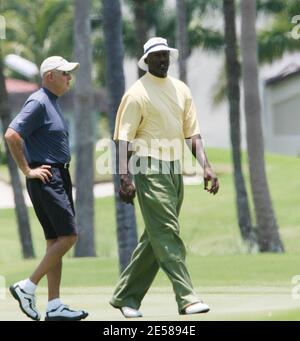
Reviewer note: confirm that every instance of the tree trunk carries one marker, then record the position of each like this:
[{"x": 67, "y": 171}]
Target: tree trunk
[
  {"x": 141, "y": 29},
  {"x": 267, "y": 228},
  {"x": 182, "y": 38},
  {"x": 20, "y": 206},
  {"x": 115, "y": 82},
  {"x": 233, "y": 77},
  {"x": 84, "y": 178}
]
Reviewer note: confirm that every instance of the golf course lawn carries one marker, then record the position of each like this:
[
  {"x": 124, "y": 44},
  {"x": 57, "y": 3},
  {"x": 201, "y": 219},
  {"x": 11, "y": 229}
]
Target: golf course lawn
[{"x": 236, "y": 285}]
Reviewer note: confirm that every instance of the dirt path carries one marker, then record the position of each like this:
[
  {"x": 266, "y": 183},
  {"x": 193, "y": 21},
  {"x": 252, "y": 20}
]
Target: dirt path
[{"x": 100, "y": 190}]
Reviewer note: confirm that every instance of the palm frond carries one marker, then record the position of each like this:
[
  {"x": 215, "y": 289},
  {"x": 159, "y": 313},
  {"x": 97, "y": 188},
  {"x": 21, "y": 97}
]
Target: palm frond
[
  {"x": 219, "y": 88},
  {"x": 276, "y": 40},
  {"x": 209, "y": 39}
]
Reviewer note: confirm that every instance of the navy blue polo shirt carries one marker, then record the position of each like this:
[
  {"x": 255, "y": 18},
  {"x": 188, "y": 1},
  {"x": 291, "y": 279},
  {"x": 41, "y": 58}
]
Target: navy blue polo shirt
[{"x": 43, "y": 129}]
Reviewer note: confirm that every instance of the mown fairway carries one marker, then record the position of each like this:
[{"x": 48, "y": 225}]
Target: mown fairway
[{"x": 236, "y": 285}]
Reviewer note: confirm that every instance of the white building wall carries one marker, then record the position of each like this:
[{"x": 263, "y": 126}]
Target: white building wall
[{"x": 282, "y": 116}]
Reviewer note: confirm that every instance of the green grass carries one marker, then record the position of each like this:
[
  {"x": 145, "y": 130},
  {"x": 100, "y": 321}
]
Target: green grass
[
  {"x": 289, "y": 315},
  {"x": 206, "y": 271},
  {"x": 208, "y": 223},
  {"x": 237, "y": 287},
  {"x": 4, "y": 175},
  {"x": 219, "y": 265}
]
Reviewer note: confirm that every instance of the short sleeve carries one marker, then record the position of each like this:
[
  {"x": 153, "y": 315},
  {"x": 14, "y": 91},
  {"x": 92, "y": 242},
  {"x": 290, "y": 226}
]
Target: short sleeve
[
  {"x": 128, "y": 119},
  {"x": 29, "y": 119},
  {"x": 190, "y": 121}
]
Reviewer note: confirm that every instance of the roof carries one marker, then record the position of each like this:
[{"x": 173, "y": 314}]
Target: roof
[
  {"x": 288, "y": 72},
  {"x": 19, "y": 91},
  {"x": 21, "y": 65},
  {"x": 286, "y": 67},
  {"x": 19, "y": 86}
]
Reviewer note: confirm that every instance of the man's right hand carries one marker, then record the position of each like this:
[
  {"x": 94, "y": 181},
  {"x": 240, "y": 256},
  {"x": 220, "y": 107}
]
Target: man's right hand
[
  {"x": 43, "y": 173},
  {"x": 127, "y": 189}
]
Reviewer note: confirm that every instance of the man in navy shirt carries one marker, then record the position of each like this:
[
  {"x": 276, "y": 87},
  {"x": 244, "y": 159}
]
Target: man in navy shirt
[{"x": 39, "y": 143}]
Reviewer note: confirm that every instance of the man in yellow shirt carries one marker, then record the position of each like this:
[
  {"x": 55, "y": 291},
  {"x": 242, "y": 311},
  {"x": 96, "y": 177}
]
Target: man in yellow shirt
[{"x": 155, "y": 117}]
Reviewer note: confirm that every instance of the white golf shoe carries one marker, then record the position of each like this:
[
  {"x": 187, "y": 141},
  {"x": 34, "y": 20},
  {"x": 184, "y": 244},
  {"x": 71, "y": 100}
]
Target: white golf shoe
[
  {"x": 64, "y": 313},
  {"x": 196, "y": 308},
  {"x": 26, "y": 301},
  {"x": 130, "y": 312}
]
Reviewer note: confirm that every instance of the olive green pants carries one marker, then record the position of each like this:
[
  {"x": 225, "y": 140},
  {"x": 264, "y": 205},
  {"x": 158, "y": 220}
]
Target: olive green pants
[{"x": 160, "y": 197}]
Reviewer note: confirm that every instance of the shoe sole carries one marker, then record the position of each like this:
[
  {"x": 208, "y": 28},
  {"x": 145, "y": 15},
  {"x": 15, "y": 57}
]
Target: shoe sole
[
  {"x": 130, "y": 317},
  {"x": 120, "y": 308},
  {"x": 64, "y": 318},
  {"x": 15, "y": 296},
  {"x": 196, "y": 312}
]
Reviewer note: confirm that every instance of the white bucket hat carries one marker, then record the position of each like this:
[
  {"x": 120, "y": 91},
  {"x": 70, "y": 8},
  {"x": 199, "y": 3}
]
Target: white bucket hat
[
  {"x": 57, "y": 63},
  {"x": 153, "y": 45}
]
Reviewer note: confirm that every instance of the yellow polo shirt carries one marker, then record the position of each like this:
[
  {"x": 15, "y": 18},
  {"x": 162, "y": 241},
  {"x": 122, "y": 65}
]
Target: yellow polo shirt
[{"x": 156, "y": 115}]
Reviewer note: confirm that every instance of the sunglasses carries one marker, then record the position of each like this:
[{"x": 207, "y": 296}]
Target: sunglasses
[{"x": 64, "y": 73}]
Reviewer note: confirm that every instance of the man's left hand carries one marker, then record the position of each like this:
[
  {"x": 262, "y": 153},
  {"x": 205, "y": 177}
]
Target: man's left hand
[{"x": 210, "y": 176}]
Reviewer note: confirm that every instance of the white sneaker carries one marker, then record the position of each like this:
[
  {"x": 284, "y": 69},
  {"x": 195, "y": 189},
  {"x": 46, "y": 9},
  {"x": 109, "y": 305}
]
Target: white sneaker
[
  {"x": 26, "y": 301},
  {"x": 64, "y": 313},
  {"x": 196, "y": 308},
  {"x": 130, "y": 312}
]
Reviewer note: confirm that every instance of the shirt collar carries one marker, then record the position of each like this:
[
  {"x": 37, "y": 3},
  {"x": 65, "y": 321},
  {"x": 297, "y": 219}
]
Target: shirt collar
[
  {"x": 50, "y": 94},
  {"x": 156, "y": 79}
]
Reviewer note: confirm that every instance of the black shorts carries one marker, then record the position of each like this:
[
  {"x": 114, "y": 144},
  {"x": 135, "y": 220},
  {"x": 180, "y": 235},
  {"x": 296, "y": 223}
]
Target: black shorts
[{"x": 53, "y": 203}]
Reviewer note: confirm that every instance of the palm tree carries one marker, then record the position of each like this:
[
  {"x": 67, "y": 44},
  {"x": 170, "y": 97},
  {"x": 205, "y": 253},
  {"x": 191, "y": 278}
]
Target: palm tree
[
  {"x": 141, "y": 28},
  {"x": 267, "y": 228},
  {"x": 84, "y": 132},
  {"x": 276, "y": 39},
  {"x": 233, "y": 77},
  {"x": 161, "y": 21},
  {"x": 115, "y": 82},
  {"x": 273, "y": 40},
  {"x": 182, "y": 38},
  {"x": 21, "y": 209},
  {"x": 147, "y": 16},
  {"x": 37, "y": 29}
]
